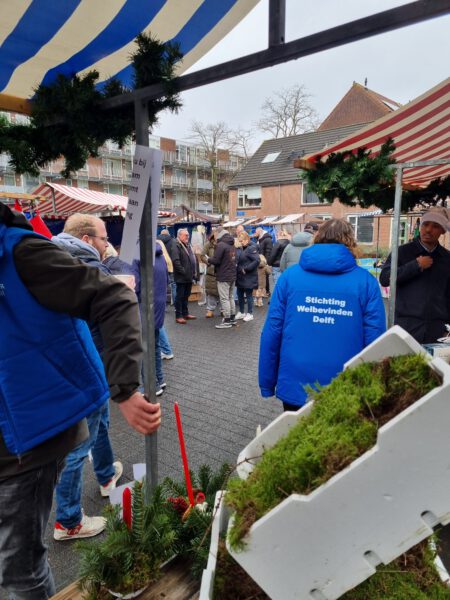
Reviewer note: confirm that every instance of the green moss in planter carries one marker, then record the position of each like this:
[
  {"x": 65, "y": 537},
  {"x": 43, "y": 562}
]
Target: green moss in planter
[
  {"x": 412, "y": 576},
  {"x": 342, "y": 425}
]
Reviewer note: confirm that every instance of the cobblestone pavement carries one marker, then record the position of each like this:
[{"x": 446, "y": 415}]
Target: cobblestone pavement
[{"x": 214, "y": 379}]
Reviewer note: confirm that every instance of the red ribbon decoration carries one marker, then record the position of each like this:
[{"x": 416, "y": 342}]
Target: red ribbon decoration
[
  {"x": 126, "y": 503},
  {"x": 187, "y": 475}
]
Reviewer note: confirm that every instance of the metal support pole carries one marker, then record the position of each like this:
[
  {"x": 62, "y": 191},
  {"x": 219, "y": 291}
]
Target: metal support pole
[
  {"x": 277, "y": 22},
  {"x": 394, "y": 253},
  {"x": 147, "y": 304}
]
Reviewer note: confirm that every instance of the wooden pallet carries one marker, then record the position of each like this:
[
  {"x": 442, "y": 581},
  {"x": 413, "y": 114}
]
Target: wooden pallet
[{"x": 176, "y": 583}]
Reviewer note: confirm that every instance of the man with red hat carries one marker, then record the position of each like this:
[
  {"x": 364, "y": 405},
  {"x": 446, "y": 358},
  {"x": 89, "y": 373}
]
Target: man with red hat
[{"x": 422, "y": 305}]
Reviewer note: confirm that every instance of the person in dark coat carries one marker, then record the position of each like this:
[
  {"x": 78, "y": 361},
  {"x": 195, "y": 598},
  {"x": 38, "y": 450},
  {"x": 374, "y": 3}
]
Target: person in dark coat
[
  {"x": 422, "y": 305},
  {"x": 185, "y": 272},
  {"x": 224, "y": 261},
  {"x": 265, "y": 245},
  {"x": 212, "y": 293},
  {"x": 170, "y": 244},
  {"x": 277, "y": 253},
  {"x": 247, "y": 276}
]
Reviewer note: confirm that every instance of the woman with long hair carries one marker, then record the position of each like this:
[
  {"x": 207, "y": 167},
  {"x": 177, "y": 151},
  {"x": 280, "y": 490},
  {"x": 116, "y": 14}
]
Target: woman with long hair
[{"x": 323, "y": 311}]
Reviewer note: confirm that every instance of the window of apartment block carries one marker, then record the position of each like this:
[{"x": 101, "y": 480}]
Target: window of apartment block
[
  {"x": 113, "y": 188},
  {"x": 181, "y": 154},
  {"x": 112, "y": 167},
  {"x": 310, "y": 197},
  {"x": 9, "y": 179},
  {"x": 83, "y": 184},
  {"x": 363, "y": 227},
  {"x": 180, "y": 176},
  {"x": 249, "y": 197}
]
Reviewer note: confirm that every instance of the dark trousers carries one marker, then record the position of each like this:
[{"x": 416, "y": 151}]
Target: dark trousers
[
  {"x": 181, "y": 299},
  {"x": 291, "y": 407},
  {"x": 268, "y": 284},
  {"x": 25, "y": 503},
  {"x": 242, "y": 294}
]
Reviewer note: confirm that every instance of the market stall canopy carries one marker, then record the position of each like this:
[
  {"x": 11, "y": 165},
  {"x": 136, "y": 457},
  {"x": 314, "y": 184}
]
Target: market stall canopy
[
  {"x": 40, "y": 39},
  {"x": 64, "y": 200},
  {"x": 420, "y": 131},
  {"x": 234, "y": 223},
  {"x": 289, "y": 219},
  {"x": 268, "y": 220}
]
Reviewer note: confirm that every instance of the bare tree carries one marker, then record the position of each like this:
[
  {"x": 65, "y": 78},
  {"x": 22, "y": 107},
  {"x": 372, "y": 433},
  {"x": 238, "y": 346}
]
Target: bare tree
[
  {"x": 216, "y": 140},
  {"x": 241, "y": 140},
  {"x": 288, "y": 112}
]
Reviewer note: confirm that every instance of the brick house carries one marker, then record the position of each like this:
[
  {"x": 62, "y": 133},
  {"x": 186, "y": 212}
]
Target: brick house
[{"x": 269, "y": 184}]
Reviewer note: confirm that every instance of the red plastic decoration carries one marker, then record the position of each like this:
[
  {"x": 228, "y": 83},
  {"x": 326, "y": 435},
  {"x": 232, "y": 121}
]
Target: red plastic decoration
[
  {"x": 187, "y": 475},
  {"x": 126, "y": 502}
]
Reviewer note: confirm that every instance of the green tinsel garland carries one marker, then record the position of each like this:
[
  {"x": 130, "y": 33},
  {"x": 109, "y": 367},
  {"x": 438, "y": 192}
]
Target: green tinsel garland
[
  {"x": 67, "y": 119},
  {"x": 361, "y": 179}
]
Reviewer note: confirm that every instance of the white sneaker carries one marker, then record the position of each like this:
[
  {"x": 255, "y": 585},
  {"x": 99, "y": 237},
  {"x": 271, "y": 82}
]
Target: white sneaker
[
  {"x": 248, "y": 317},
  {"x": 106, "y": 489},
  {"x": 88, "y": 527},
  {"x": 166, "y": 356},
  {"x": 239, "y": 315}
]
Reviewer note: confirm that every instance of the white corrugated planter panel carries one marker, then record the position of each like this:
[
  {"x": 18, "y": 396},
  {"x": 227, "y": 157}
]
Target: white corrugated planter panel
[
  {"x": 219, "y": 524},
  {"x": 321, "y": 545}
]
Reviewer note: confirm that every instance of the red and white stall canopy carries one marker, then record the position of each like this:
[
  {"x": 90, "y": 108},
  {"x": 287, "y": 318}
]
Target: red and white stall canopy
[
  {"x": 420, "y": 130},
  {"x": 64, "y": 200}
]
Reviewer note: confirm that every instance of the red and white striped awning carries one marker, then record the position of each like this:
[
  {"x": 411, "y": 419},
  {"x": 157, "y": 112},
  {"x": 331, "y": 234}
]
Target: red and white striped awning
[
  {"x": 64, "y": 200},
  {"x": 420, "y": 130}
]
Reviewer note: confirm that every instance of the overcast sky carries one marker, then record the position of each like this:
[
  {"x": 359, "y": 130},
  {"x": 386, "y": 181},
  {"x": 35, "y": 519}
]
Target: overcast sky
[{"x": 400, "y": 65}]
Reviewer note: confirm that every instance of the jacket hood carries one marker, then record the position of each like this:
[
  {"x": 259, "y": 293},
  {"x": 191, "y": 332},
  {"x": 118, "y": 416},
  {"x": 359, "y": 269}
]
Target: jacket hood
[
  {"x": 165, "y": 237},
  {"x": 265, "y": 235},
  {"x": 301, "y": 239},
  {"x": 77, "y": 248},
  {"x": 226, "y": 238},
  {"x": 327, "y": 258}
]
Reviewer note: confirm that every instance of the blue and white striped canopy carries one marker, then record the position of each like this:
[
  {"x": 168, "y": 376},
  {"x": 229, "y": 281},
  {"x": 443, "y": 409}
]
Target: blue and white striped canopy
[{"x": 41, "y": 38}]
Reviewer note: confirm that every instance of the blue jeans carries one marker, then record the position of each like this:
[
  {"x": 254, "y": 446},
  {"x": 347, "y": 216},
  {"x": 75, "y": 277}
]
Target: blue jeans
[
  {"x": 158, "y": 361},
  {"x": 164, "y": 342},
  {"x": 25, "y": 503},
  {"x": 276, "y": 272},
  {"x": 242, "y": 294},
  {"x": 70, "y": 486},
  {"x": 173, "y": 288}
]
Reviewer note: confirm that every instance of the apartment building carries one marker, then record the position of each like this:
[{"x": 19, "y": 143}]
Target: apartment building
[{"x": 188, "y": 175}]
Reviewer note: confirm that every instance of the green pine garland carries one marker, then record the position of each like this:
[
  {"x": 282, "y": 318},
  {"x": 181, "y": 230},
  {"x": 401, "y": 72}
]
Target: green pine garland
[
  {"x": 361, "y": 179},
  {"x": 67, "y": 119}
]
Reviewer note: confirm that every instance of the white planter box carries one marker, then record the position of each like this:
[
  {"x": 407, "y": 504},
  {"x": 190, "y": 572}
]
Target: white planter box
[
  {"x": 219, "y": 525},
  {"x": 321, "y": 545}
]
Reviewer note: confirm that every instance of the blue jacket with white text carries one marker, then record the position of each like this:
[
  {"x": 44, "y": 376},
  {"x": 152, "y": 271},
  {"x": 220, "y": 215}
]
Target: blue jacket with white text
[{"x": 323, "y": 311}]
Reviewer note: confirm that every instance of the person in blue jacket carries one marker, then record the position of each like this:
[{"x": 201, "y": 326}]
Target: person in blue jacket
[{"x": 324, "y": 310}]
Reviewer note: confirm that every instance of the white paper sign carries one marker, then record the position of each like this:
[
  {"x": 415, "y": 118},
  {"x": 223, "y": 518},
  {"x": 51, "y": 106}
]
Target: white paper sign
[{"x": 147, "y": 163}]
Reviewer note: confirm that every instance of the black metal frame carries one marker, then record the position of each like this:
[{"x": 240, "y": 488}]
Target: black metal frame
[{"x": 279, "y": 52}]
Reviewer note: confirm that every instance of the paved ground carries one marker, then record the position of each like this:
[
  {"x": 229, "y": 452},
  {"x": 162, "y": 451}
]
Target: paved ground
[{"x": 214, "y": 379}]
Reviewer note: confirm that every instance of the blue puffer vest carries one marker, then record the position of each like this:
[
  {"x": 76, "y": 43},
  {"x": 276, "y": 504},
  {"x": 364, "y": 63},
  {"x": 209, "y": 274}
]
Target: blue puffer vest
[{"x": 51, "y": 375}]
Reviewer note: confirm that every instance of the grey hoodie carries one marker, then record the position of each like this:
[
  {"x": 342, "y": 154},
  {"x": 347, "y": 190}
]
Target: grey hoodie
[{"x": 292, "y": 252}]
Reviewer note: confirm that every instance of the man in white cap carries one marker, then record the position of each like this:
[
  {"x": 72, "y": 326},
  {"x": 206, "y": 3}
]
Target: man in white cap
[{"x": 423, "y": 281}]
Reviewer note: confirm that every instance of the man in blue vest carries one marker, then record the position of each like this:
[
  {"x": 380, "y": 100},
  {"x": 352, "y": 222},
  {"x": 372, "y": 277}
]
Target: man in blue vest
[{"x": 51, "y": 377}]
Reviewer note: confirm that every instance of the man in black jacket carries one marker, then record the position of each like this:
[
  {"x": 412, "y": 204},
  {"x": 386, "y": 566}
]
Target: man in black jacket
[
  {"x": 60, "y": 284},
  {"x": 224, "y": 261},
  {"x": 422, "y": 305},
  {"x": 265, "y": 245},
  {"x": 185, "y": 271}
]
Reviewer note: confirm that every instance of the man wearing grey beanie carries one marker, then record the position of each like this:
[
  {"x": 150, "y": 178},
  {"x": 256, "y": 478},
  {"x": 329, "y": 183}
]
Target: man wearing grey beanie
[{"x": 423, "y": 280}]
